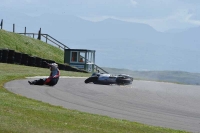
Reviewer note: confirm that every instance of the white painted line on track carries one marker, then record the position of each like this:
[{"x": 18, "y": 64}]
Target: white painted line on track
[{"x": 48, "y": 76}]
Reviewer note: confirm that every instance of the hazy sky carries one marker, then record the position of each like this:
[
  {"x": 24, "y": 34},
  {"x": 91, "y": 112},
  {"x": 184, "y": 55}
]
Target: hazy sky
[{"x": 160, "y": 14}]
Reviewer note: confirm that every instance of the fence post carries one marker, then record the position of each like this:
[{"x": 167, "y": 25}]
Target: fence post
[
  {"x": 2, "y": 24},
  {"x": 46, "y": 38},
  {"x": 25, "y": 31},
  {"x": 39, "y": 34},
  {"x": 13, "y": 28}
]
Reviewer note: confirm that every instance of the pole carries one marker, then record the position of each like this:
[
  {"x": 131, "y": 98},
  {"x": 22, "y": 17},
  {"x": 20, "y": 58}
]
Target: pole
[
  {"x": 46, "y": 38},
  {"x": 13, "y": 28},
  {"x": 2, "y": 24},
  {"x": 25, "y": 30},
  {"x": 39, "y": 34}
]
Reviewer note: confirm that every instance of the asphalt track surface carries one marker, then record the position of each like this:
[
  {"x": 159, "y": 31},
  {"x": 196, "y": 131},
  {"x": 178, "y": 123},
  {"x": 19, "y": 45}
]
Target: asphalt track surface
[{"x": 154, "y": 103}]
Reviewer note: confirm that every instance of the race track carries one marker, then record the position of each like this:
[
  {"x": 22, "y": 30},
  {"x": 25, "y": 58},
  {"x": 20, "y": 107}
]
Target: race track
[{"x": 154, "y": 103}]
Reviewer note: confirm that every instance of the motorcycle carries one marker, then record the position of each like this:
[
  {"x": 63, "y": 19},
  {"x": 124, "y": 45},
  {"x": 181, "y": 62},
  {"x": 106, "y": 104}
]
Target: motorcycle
[{"x": 107, "y": 79}]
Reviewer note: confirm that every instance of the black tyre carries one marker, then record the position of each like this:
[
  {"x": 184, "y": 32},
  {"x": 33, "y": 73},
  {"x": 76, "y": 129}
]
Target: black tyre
[
  {"x": 123, "y": 80},
  {"x": 24, "y": 60},
  {"x": 31, "y": 61},
  {"x": 91, "y": 79},
  {"x": 18, "y": 57},
  {"x": 11, "y": 56},
  {"x": 4, "y": 55},
  {"x": 38, "y": 62}
]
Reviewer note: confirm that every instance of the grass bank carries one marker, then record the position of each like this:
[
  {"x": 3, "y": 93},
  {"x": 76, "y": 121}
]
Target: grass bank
[
  {"x": 20, "y": 114},
  {"x": 30, "y": 46}
]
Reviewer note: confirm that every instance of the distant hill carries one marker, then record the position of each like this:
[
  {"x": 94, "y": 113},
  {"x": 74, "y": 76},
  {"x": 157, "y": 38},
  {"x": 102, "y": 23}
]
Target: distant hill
[
  {"x": 162, "y": 76},
  {"x": 122, "y": 44}
]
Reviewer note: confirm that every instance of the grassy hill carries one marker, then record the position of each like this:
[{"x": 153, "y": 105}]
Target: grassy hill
[
  {"x": 20, "y": 114},
  {"x": 31, "y": 46}
]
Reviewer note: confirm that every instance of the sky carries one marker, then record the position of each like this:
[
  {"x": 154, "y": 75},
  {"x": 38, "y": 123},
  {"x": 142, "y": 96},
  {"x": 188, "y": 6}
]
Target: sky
[{"x": 162, "y": 15}]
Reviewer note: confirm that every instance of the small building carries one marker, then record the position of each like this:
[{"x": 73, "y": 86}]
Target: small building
[{"x": 80, "y": 58}]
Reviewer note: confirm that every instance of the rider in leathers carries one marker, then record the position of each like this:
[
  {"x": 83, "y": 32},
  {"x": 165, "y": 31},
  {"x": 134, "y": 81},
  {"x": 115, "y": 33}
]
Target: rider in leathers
[{"x": 52, "y": 79}]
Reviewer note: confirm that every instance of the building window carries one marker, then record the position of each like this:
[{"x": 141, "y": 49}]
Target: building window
[
  {"x": 81, "y": 56},
  {"x": 78, "y": 57},
  {"x": 74, "y": 56}
]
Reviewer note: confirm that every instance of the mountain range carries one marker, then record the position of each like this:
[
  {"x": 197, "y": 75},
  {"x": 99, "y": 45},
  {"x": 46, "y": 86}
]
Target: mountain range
[{"x": 119, "y": 44}]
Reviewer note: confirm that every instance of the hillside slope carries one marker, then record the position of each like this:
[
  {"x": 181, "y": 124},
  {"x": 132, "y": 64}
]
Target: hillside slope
[{"x": 31, "y": 46}]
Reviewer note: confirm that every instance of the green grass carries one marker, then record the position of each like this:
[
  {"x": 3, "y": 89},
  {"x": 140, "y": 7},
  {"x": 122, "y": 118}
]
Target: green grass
[
  {"x": 20, "y": 114},
  {"x": 31, "y": 46}
]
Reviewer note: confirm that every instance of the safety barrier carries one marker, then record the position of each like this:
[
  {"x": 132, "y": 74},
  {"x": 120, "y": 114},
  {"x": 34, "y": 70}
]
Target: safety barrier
[{"x": 12, "y": 57}]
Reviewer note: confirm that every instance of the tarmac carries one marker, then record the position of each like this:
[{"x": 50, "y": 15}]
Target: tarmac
[{"x": 161, "y": 104}]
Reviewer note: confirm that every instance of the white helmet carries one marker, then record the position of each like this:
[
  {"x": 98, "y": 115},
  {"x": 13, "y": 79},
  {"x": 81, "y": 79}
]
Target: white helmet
[{"x": 54, "y": 64}]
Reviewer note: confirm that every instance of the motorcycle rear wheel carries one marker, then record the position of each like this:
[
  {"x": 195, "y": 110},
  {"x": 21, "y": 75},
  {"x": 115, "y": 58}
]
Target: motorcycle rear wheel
[{"x": 123, "y": 81}]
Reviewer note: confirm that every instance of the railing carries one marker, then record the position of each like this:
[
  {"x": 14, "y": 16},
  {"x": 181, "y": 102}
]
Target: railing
[
  {"x": 48, "y": 38},
  {"x": 99, "y": 68}
]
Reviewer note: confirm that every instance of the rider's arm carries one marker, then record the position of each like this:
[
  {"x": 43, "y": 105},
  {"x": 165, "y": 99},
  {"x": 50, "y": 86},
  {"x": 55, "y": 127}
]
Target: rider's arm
[{"x": 46, "y": 63}]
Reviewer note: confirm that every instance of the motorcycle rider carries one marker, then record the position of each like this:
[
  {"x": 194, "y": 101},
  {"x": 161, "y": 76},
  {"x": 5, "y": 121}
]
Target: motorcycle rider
[{"x": 52, "y": 79}]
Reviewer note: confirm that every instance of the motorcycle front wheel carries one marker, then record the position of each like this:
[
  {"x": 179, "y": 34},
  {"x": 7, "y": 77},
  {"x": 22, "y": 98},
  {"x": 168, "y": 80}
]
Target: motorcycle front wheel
[{"x": 91, "y": 79}]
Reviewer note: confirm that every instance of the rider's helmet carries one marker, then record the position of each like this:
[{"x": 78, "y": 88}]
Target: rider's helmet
[{"x": 53, "y": 66}]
